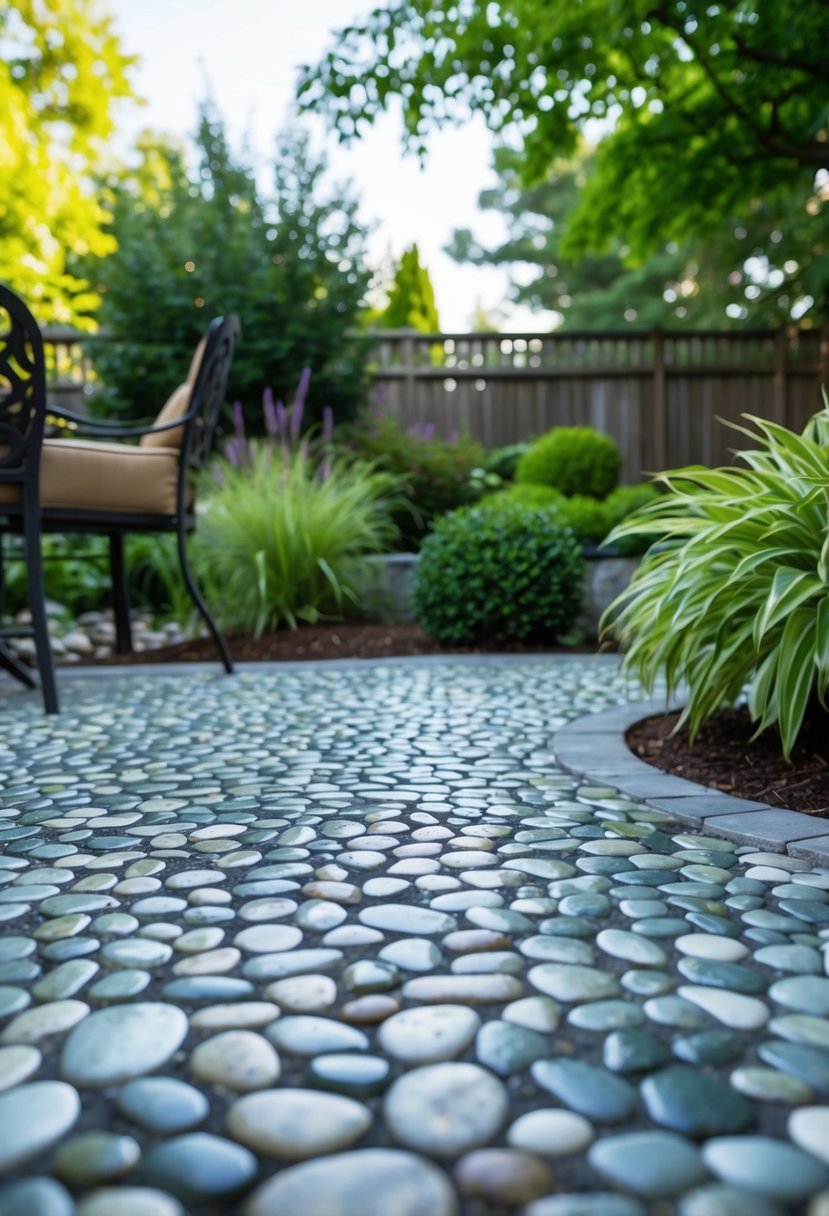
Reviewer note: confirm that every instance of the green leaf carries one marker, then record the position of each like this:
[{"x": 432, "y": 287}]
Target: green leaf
[
  {"x": 789, "y": 589},
  {"x": 797, "y": 671}
]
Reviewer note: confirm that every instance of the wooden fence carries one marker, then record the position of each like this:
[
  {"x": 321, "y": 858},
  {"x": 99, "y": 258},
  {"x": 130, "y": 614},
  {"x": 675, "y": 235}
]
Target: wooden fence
[{"x": 658, "y": 394}]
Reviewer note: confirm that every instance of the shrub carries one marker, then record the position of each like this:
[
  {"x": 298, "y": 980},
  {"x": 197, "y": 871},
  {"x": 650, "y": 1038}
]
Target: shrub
[
  {"x": 574, "y": 460},
  {"x": 500, "y": 573},
  {"x": 736, "y": 593},
  {"x": 436, "y": 473},
  {"x": 200, "y": 236},
  {"x": 618, "y": 506},
  {"x": 279, "y": 542},
  {"x": 530, "y": 496},
  {"x": 586, "y": 516}
]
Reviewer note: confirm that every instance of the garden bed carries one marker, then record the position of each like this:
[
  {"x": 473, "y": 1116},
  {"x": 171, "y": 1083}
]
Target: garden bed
[
  {"x": 342, "y": 640},
  {"x": 724, "y": 756}
]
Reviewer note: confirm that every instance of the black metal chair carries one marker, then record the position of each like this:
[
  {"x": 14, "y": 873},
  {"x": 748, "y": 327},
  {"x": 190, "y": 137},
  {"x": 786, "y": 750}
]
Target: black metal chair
[
  {"x": 22, "y": 418},
  {"x": 113, "y": 488}
]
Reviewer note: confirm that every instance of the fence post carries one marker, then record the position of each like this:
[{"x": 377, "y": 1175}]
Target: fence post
[
  {"x": 660, "y": 420},
  {"x": 780, "y": 379},
  {"x": 823, "y": 365},
  {"x": 409, "y": 401}
]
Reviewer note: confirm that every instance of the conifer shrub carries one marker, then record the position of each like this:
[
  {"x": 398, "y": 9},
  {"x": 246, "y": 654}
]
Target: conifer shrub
[{"x": 574, "y": 460}]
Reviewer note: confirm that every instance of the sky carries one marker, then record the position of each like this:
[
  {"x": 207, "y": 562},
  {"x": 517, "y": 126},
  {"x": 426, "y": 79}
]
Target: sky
[{"x": 245, "y": 53}]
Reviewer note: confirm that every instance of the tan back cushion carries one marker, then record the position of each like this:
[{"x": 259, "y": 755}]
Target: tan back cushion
[
  {"x": 176, "y": 406},
  {"x": 195, "y": 363}
]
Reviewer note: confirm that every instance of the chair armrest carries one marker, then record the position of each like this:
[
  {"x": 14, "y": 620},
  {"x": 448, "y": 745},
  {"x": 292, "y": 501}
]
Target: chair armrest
[{"x": 115, "y": 430}]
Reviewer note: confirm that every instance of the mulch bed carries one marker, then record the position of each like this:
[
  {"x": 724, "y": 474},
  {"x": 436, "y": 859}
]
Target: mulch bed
[{"x": 722, "y": 756}]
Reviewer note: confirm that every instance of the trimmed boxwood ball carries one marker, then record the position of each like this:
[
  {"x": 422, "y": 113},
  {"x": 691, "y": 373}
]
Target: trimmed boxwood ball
[
  {"x": 574, "y": 460},
  {"x": 498, "y": 574}
]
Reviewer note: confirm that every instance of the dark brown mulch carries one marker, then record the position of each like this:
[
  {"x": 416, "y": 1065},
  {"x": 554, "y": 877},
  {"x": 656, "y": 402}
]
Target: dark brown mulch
[
  {"x": 343, "y": 640},
  {"x": 724, "y": 756}
]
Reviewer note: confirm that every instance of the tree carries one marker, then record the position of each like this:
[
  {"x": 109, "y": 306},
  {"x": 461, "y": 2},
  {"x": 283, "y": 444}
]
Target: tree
[
  {"x": 712, "y": 112},
  {"x": 195, "y": 244},
  {"x": 61, "y": 73},
  {"x": 411, "y": 298},
  {"x": 701, "y": 285}
]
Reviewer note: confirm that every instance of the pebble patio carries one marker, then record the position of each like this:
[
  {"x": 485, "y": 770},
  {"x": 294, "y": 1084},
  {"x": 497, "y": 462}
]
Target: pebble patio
[{"x": 347, "y": 940}]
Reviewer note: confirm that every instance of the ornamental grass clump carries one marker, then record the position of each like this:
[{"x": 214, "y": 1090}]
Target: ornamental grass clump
[
  {"x": 735, "y": 594},
  {"x": 282, "y": 539},
  {"x": 498, "y": 574}
]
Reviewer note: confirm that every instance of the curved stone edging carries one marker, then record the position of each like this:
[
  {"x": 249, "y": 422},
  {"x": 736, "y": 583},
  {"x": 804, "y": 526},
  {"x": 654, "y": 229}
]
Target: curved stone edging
[{"x": 594, "y": 747}]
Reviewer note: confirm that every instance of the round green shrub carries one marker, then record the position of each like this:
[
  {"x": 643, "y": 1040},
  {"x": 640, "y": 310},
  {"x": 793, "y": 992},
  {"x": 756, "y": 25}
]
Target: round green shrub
[
  {"x": 587, "y": 517},
  {"x": 574, "y": 460},
  {"x": 619, "y": 505},
  {"x": 500, "y": 573},
  {"x": 533, "y": 497}
]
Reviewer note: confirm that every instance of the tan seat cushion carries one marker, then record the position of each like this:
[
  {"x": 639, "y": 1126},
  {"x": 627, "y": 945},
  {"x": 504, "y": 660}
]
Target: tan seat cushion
[
  {"x": 176, "y": 406},
  {"x": 81, "y": 475}
]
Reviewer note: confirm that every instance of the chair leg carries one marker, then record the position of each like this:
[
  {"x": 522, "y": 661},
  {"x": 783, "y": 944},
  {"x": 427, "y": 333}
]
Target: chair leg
[
  {"x": 120, "y": 594},
  {"x": 2, "y": 577},
  {"x": 37, "y": 607},
  {"x": 9, "y": 661},
  {"x": 198, "y": 600}
]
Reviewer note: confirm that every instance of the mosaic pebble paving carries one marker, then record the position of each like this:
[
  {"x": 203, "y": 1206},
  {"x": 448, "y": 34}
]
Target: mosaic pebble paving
[{"x": 347, "y": 942}]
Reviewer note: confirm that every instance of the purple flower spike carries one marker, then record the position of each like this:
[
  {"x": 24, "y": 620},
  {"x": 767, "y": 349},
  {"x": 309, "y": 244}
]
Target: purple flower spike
[
  {"x": 327, "y": 424},
  {"x": 269, "y": 410},
  {"x": 281, "y": 419},
  {"x": 238, "y": 420},
  {"x": 302, "y": 387}
]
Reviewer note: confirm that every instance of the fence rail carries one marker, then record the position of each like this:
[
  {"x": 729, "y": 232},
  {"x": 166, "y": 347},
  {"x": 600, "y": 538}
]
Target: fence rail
[{"x": 659, "y": 394}]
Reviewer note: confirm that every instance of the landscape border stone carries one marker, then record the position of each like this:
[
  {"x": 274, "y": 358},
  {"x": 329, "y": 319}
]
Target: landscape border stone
[{"x": 595, "y": 748}]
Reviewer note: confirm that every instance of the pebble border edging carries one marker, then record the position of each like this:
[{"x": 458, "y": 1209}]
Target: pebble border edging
[{"x": 595, "y": 747}]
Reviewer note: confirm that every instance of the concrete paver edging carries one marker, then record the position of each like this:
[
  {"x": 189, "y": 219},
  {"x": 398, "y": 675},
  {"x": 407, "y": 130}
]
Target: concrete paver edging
[{"x": 594, "y": 747}]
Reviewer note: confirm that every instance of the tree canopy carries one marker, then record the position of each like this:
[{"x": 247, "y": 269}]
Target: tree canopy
[
  {"x": 61, "y": 73},
  {"x": 194, "y": 243},
  {"x": 708, "y": 112},
  {"x": 734, "y": 278}
]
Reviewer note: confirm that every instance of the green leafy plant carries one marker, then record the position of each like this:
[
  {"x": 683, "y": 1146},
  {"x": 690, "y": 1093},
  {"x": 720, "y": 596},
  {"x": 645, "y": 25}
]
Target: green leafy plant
[
  {"x": 154, "y": 577},
  {"x": 736, "y": 593},
  {"x": 574, "y": 460},
  {"x": 498, "y": 573},
  {"x": 281, "y": 541},
  {"x": 435, "y": 473},
  {"x": 75, "y": 573},
  {"x": 504, "y": 461}
]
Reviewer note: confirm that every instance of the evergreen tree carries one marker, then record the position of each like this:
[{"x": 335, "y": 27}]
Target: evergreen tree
[
  {"x": 196, "y": 244},
  {"x": 411, "y": 298}
]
